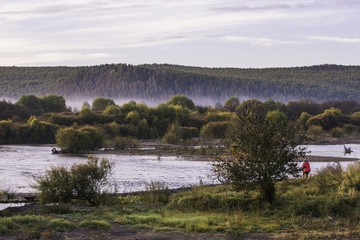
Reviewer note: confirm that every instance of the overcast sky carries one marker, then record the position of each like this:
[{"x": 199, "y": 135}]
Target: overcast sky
[{"x": 211, "y": 33}]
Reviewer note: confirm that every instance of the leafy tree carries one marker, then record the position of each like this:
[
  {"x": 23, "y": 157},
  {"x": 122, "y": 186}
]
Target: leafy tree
[
  {"x": 261, "y": 152},
  {"x": 100, "y": 104},
  {"x": 9, "y": 110},
  {"x": 32, "y": 102},
  {"x": 183, "y": 101},
  {"x": 277, "y": 118},
  {"x": 53, "y": 103},
  {"x": 232, "y": 101}
]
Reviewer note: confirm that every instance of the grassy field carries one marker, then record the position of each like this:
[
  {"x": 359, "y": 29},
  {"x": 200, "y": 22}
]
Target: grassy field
[{"x": 325, "y": 206}]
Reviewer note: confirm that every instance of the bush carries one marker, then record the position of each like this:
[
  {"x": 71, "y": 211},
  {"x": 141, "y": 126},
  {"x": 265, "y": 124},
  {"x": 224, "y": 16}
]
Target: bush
[
  {"x": 173, "y": 135},
  {"x": 81, "y": 181},
  {"x": 337, "y": 132},
  {"x": 79, "y": 140},
  {"x": 55, "y": 186},
  {"x": 315, "y": 130},
  {"x": 214, "y": 130},
  {"x": 123, "y": 143},
  {"x": 349, "y": 128},
  {"x": 189, "y": 132}
]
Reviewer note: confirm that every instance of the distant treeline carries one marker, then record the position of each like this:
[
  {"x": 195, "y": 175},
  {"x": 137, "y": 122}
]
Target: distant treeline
[
  {"x": 160, "y": 82},
  {"x": 46, "y": 119}
]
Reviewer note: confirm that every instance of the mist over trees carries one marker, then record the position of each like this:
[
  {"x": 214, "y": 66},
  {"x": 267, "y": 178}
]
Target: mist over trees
[
  {"x": 161, "y": 82},
  {"x": 35, "y": 119}
]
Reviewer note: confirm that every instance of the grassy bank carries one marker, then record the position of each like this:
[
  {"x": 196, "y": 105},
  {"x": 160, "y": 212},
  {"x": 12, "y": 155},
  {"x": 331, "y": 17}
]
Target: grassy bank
[{"x": 325, "y": 206}]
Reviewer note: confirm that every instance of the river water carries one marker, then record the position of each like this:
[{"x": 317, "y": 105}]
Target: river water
[{"x": 19, "y": 163}]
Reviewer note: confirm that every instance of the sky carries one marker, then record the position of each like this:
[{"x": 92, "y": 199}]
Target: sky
[{"x": 207, "y": 33}]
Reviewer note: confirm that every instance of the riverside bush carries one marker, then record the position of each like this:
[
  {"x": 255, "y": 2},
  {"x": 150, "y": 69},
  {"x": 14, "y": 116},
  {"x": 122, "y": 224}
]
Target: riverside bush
[
  {"x": 81, "y": 181},
  {"x": 79, "y": 140}
]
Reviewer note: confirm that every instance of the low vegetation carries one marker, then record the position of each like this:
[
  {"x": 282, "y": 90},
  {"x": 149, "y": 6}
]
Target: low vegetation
[{"x": 325, "y": 206}]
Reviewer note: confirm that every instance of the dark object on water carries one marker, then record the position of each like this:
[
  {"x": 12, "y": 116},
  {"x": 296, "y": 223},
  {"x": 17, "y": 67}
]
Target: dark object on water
[
  {"x": 347, "y": 150},
  {"x": 55, "y": 151}
]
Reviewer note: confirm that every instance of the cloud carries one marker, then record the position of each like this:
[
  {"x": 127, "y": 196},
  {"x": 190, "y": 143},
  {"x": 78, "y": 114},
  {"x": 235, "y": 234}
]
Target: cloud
[
  {"x": 260, "y": 41},
  {"x": 335, "y": 39},
  {"x": 281, "y": 6},
  {"x": 54, "y": 58}
]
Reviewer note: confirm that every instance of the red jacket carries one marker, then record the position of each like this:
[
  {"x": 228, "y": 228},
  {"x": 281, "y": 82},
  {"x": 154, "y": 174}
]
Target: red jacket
[{"x": 306, "y": 166}]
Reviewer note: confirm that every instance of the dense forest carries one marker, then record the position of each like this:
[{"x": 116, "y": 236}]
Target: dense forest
[{"x": 160, "y": 82}]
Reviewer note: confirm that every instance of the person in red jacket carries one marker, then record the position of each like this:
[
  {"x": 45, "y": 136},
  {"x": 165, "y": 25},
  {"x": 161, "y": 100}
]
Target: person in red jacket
[{"x": 306, "y": 169}]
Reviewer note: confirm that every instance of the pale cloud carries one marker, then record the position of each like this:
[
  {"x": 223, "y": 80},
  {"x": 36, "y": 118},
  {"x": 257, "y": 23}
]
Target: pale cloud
[
  {"x": 85, "y": 31},
  {"x": 260, "y": 41},
  {"x": 54, "y": 57},
  {"x": 336, "y": 39}
]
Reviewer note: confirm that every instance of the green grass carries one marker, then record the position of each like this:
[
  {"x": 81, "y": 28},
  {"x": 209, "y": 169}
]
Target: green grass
[
  {"x": 303, "y": 209},
  {"x": 95, "y": 224}
]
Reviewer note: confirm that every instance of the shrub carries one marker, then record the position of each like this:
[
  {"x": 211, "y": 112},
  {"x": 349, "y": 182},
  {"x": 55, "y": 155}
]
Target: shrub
[
  {"x": 123, "y": 143},
  {"x": 79, "y": 140},
  {"x": 337, "y": 132},
  {"x": 174, "y": 133},
  {"x": 214, "y": 130},
  {"x": 189, "y": 132},
  {"x": 55, "y": 186},
  {"x": 315, "y": 130},
  {"x": 81, "y": 181},
  {"x": 156, "y": 193},
  {"x": 349, "y": 128},
  {"x": 95, "y": 224},
  {"x": 88, "y": 179}
]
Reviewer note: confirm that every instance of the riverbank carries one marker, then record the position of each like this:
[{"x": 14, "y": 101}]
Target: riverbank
[
  {"x": 203, "y": 151},
  {"x": 303, "y": 209}
]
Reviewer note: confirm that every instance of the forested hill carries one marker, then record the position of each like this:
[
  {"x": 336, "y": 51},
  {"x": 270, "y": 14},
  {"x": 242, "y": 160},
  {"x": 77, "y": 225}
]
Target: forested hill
[{"x": 160, "y": 82}]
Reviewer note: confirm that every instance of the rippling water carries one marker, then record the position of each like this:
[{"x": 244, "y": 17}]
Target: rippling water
[
  {"x": 19, "y": 163},
  {"x": 334, "y": 150}
]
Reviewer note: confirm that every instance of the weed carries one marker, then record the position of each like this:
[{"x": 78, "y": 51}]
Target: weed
[
  {"x": 95, "y": 224},
  {"x": 61, "y": 225}
]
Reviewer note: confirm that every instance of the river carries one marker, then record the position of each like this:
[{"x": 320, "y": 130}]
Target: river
[{"x": 19, "y": 163}]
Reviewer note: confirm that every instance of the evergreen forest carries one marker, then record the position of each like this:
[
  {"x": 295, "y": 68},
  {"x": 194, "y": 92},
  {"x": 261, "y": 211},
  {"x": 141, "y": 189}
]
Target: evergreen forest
[{"x": 160, "y": 82}]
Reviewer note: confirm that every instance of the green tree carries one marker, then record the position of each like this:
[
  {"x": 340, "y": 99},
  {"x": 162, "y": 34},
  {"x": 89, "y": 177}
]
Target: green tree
[
  {"x": 232, "y": 101},
  {"x": 183, "y": 101},
  {"x": 100, "y": 104},
  {"x": 53, "y": 103},
  {"x": 276, "y": 118},
  {"x": 32, "y": 102},
  {"x": 261, "y": 152}
]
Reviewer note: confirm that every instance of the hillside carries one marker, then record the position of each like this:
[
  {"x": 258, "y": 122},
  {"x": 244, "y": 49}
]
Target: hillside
[{"x": 160, "y": 82}]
